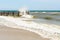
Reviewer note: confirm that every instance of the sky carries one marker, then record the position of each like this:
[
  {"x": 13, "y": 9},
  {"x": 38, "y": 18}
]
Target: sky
[{"x": 30, "y": 4}]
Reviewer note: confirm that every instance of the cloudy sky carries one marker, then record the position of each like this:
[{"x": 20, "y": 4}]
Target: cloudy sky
[{"x": 31, "y": 4}]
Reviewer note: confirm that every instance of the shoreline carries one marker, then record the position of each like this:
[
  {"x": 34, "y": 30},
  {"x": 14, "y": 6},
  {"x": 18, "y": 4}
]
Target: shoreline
[
  {"x": 7, "y": 33},
  {"x": 44, "y": 32}
]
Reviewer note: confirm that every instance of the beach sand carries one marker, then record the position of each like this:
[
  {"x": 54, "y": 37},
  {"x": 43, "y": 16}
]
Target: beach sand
[{"x": 7, "y": 33}]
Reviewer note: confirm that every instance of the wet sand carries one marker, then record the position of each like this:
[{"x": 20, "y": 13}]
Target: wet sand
[{"x": 7, "y": 33}]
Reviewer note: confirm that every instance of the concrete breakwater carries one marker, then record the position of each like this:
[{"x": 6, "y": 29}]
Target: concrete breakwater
[{"x": 40, "y": 29}]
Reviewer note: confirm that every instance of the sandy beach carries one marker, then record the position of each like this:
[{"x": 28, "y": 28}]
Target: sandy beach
[
  {"x": 7, "y": 33},
  {"x": 16, "y": 29}
]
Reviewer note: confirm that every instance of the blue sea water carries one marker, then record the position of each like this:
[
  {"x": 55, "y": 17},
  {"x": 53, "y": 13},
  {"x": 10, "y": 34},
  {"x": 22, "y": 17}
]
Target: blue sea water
[
  {"x": 45, "y": 16},
  {"x": 48, "y": 17}
]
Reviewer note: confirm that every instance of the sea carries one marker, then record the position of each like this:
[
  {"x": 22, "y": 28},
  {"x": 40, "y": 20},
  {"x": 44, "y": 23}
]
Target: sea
[
  {"x": 44, "y": 16},
  {"x": 47, "y": 16}
]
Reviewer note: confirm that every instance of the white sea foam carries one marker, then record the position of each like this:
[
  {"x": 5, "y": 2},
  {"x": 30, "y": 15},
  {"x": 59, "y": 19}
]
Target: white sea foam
[{"x": 39, "y": 28}]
